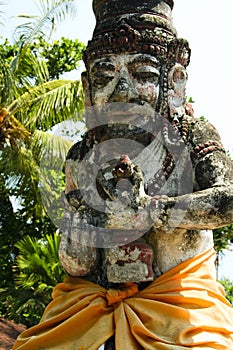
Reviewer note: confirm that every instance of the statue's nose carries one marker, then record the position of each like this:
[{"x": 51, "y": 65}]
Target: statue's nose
[{"x": 124, "y": 91}]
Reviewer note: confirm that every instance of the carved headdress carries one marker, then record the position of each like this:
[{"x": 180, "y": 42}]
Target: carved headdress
[{"x": 136, "y": 26}]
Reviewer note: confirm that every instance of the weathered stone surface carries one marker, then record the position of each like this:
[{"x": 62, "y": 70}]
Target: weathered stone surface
[
  {"x": 129, "y": 263},
  {"x": 174, "y": 182}
]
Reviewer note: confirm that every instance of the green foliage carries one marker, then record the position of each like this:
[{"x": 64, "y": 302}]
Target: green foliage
[
  {"x": 38, "y": 263},
  {"x": 37, "y": 271},
  {"x": 61, "y": 56},
  {"x": 223, "y": 237},
  {"x": 32, "y": 94},
  {"x": 8, "y": 50},
  {"x": 33, "y": 98},
  {"x": 190, "y": 100},
  {"x": 20, "y": 188},
  {"x": 228, "y": 286},
  {"x": 9, "y": 226}
]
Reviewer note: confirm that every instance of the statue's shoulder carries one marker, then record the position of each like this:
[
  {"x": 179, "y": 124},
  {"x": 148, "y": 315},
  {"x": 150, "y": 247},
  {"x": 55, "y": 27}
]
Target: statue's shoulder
[
  {"x": 204, "y": 141},
  {"x": 201, "y": 131}
]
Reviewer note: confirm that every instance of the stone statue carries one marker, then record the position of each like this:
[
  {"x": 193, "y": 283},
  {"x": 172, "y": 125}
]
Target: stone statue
[
  {"x": 144, "y": 188},
  {"x": 135, "y": 58}
]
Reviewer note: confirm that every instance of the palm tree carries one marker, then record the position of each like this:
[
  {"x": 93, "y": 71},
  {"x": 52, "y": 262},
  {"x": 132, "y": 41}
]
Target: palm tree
[
  {"x": 31, "y": 103},
  {"x": 28, "y": 100}
]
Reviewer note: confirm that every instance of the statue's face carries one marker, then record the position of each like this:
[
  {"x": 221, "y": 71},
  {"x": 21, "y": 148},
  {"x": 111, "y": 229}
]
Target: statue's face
[
  {"x": 131, "y": 80},
  {"x": 126, "y": 78}
]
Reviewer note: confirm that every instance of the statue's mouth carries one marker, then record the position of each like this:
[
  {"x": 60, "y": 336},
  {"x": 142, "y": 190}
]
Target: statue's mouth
[{"x": 139, "y": 115}]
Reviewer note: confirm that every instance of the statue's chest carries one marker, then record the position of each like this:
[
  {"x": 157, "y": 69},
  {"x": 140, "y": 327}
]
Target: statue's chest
[{"x": 167, "y": 169}]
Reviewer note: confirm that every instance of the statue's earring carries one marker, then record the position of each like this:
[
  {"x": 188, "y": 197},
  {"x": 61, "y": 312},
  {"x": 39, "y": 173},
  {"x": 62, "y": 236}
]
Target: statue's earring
[{"x": 177, "y": 79}]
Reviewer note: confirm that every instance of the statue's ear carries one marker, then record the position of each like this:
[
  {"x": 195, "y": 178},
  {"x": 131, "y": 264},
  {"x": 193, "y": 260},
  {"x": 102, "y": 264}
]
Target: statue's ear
[
  {"x": 86, "y": 89},
  {"x": 177, "y": 79}
]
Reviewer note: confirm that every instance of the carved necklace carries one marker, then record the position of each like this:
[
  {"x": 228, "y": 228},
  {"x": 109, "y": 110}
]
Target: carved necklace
[{"x": 175, "y": 136}]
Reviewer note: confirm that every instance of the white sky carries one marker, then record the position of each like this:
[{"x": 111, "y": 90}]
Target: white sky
[{"x": 207, "y": 25}]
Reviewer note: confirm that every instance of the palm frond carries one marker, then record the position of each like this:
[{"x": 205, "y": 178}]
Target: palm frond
[
  {"x": 53, "y": 244},
  {"x": 48, "y": 104},
  {"x": 22, "y": 172},
  {"x": 37, "y": 262},
  {"x": 39, "y": 168},
  {"x": 52, "y": 11},
  {"x": 48, "y": 147},
  {"x": 7, "y": 84},
  {"x": 2, "y": 3},
  {"x": 52, "y": 150},
  {"x": 25, "y": 70}
]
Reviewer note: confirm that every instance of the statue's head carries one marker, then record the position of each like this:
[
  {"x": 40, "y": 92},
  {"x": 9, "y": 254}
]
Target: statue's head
[{"x": 136, "y": 56}]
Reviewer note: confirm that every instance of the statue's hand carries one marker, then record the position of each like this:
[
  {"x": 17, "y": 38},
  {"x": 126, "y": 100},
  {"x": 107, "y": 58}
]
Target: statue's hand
[
  {"x": 151, "y": 213},
  {"x": 158, "y": 210}
]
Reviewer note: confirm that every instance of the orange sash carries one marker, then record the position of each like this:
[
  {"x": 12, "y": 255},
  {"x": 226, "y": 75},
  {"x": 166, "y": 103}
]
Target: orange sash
[{"x": 184, "y": 308}]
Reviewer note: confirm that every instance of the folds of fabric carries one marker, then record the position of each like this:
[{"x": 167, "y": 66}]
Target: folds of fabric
[{"x": 184, "y": 308}]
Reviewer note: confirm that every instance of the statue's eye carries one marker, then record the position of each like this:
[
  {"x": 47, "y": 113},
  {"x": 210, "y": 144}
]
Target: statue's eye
[
  {"x": 146, "y": 74},
  {"x": 101, "y": 79}
]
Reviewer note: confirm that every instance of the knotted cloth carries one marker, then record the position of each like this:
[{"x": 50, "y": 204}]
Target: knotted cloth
[{"x": 183, "y": 308}]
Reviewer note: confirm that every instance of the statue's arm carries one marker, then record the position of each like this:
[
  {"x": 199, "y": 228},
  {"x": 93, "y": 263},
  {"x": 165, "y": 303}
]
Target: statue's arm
[
  {"x": 78, "y": 256},
  {"x": 211, "y": 204},
  {"x": 205, "y": 209}
]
